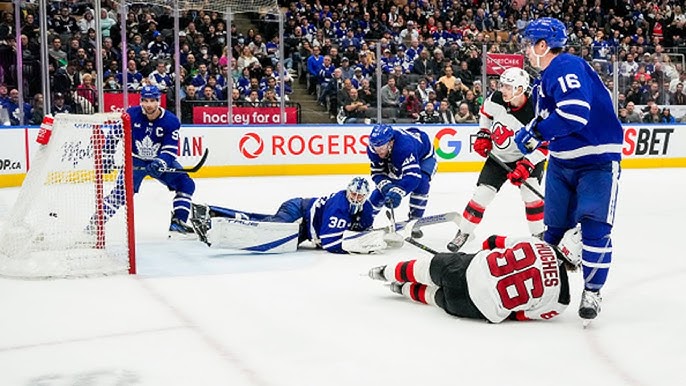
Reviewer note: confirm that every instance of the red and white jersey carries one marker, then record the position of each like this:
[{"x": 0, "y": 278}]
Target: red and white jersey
[
  {"x": 504, "y": 121},
  {"x": 521, "y": 276}
]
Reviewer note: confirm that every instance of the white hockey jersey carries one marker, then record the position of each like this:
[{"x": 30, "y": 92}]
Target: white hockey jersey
[
  {"x": 504, "y": 121},
  {"x": 522, "y": 277}
]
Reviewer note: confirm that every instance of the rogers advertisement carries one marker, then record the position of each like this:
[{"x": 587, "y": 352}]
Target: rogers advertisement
[
  {"x": 497, "y": 63},
  {"x": 206, "y": 115}
]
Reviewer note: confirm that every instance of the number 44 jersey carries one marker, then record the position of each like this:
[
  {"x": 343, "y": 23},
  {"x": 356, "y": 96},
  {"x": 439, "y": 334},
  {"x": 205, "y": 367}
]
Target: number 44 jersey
[{"x": 522, "y": 278}]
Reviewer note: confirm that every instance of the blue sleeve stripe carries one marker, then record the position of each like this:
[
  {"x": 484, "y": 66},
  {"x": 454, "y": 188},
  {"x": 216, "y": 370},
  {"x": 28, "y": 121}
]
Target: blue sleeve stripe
[
  {"x": 418, "y": 175},
  {"x": 576, "y": 102},
  {"x": 168, "y": 152},
  {"x": 587, "y": 150},
  {"x": 170, "y": 147},
  {"x": 572, "y": 117}
]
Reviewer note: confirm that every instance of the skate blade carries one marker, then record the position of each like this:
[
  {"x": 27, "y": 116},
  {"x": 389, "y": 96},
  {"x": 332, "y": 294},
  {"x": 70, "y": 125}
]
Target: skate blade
[{"x": 182, "y": 236}]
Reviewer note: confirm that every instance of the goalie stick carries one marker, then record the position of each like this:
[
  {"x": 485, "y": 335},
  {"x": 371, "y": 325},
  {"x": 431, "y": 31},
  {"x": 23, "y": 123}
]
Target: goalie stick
[
  {"x": 192, "y": 169},
  {"x": 424, "y": 221},
  {"x": 509, "y": 170}
]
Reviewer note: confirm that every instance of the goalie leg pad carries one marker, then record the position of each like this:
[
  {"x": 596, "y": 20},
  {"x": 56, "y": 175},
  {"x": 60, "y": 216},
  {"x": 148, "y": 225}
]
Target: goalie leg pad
[
  {"x": 253, "y": 236},
  {"x": 363, "y": 242}
]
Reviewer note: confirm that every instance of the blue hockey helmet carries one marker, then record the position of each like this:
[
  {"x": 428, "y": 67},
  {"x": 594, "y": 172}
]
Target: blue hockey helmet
[
  {"x": 552, "y": 30},
  {"x": 381, "y": 135},
  {"x": 357, "y": 192},
  {"x": 150, "y": 92}
]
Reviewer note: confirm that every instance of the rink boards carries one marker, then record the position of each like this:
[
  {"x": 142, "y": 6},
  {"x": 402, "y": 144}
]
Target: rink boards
[{"x": 334, "y": 149}]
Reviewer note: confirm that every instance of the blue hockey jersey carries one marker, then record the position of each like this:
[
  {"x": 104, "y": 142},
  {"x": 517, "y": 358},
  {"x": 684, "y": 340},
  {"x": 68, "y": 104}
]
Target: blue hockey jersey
[
  {"x": 330, "y": 216},
  {"x": 578, "y": 115},
  {"x": 154, "y": 139},
  {"x": 410, "y": 148}
]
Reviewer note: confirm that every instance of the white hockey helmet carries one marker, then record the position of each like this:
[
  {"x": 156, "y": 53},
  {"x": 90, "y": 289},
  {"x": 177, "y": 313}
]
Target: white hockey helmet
[
  {"x": 570, "y": 247},
  {"x": 357, "y": 193},
  {"x": 515, "y": 77}
]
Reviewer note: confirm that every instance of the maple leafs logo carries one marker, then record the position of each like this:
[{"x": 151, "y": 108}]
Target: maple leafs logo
[{"x": 146, "y": 149}]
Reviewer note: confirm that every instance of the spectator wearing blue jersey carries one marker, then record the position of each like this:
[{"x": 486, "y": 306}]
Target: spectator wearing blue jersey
[
  {"x": 322, "y": 219},
  {"x": 574, "y": 112},
  {"x": 402, "y": 163}
]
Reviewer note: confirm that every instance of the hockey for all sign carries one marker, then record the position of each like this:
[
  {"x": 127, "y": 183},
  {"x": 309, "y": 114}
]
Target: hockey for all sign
[{"x": 212, "y": 115}]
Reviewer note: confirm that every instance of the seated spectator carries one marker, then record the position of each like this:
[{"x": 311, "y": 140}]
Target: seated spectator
[
  {"x": 423, "y": 90},
  {"x": 667, "y": 116},
  {"x": 354, "y": 108},
  {"x": 411, "y": 106},
  {"x": 37, "y": 112},
  {"x": 446, "y": 113},
  {"x": 253, "y": 99},
  {"x": 390, "y": 94},
  {"x": 678, "y": 98},
  {"x": 654, "y": 115},
  {"x": 111, "y": 84},
  {"x": 160, "y": 77},
  {"x": 187, "y": 104},
  {"x": 464, "y": 115},
  {"x": 87, "y": 90},
  {"x": 367, "y": 93},
  {"x": 58, "y": 105},
  {"x": 429, "y": 115},
  {"x": 632, "y": 116},
  {"x": 270, "y": 99},
  {"x": 208, "y": 93}
]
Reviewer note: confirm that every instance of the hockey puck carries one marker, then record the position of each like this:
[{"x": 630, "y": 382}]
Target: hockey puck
[{"x": 53, "y": 214}]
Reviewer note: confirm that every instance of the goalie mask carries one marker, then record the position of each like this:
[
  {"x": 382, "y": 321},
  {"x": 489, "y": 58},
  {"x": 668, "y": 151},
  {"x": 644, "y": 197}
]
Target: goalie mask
[
  {"x": 357, "y": 192},
  {"x": 570, "y": 247}
]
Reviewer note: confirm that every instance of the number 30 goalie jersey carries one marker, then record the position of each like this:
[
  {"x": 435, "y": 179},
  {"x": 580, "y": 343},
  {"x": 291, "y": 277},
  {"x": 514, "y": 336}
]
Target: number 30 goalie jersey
[{"x": 523, "y": 277}]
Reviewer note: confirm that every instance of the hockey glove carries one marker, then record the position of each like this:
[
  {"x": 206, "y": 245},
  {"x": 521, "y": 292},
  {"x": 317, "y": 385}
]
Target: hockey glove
[
  {"x": 528, "y": 138},
  {"x": 393, "y": 197},
  {"x": 483, "y": 144},
  {"x": 521, "y": 172},
  {"x": 156, "y": 167},
  {"x": 384, "y": 186}
]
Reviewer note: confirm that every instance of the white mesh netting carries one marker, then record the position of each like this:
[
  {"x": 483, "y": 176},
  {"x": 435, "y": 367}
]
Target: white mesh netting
[
  {"x": 221, "y": 6},
  {"x": 58, "y": 226}
]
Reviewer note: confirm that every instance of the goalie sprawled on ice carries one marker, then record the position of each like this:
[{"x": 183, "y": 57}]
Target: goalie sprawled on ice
[{"x": 325, "y": 221}]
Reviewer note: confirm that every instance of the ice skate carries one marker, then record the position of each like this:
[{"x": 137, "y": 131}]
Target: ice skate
[
  {"x": 459, "y": 241},
  {"x": 397, "y": 287},
  {"x": 180, "y": 230},
  {"x": 376, "y": 273},
  {"x": 590, "y": 305}
]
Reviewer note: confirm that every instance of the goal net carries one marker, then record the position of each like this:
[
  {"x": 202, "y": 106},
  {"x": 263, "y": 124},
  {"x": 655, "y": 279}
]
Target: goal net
[{"x": 74, "y": 213}]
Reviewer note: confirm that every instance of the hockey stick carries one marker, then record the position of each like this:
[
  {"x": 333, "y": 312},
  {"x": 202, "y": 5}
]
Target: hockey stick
[
  {"x": 420, "y": 245},
  {"x": 392, "y": 238},
  {"x": 177, "y": 170},
  {"x": 509, "y": 170},
  {"x": 423, "y": 221}
]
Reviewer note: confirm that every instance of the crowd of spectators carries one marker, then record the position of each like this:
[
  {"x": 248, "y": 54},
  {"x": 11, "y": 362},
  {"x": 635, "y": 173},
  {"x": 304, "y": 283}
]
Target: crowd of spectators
[{"x": 430, "y": 55}]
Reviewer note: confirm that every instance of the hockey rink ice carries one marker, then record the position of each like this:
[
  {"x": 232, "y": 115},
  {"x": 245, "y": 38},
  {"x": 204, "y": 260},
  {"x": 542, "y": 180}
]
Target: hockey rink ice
[{"x": 205, "y": 317}]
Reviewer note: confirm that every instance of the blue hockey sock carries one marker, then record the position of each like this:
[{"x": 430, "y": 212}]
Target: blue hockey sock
[{"x": 597, "y": 253}]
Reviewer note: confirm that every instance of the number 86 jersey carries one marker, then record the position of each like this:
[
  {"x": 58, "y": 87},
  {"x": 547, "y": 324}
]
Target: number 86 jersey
[{"x": 522, "y": 279}]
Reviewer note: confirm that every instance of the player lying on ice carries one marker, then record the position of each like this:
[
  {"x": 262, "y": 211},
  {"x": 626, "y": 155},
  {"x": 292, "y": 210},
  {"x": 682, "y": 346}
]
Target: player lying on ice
[
  {"x": 510, "y": 278},
  {"x": 321, "y": 220}
]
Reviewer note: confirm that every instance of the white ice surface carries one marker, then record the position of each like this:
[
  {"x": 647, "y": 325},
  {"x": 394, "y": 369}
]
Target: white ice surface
[{"x": 198, "y": 316}]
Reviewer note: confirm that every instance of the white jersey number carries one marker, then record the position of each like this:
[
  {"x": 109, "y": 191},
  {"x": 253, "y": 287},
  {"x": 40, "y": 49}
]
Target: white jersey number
[
  {"x": 519, "y": 280},
  {"x": 569, "y": 81}
]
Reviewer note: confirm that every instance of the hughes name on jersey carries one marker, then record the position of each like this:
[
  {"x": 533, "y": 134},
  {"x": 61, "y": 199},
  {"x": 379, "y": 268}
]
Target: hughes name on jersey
[
  {"x": 582, "y": 126},
  {"x": 522, "y": 277}
]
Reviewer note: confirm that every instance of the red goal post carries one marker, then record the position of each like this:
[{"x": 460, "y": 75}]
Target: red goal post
[{"x": 73, "y": 216}]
